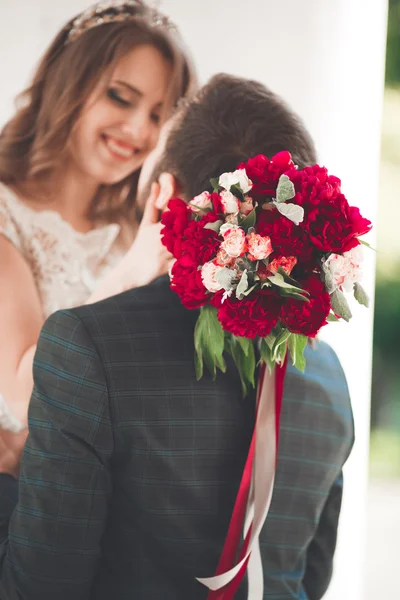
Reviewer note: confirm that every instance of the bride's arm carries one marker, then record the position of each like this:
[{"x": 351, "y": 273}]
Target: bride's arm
[
  {"x": 146, "y": 259},
  {"x": 21, "y": 317}
]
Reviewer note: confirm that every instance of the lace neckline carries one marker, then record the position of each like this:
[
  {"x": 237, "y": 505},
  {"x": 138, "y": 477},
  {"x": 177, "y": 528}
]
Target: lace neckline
[{"x": 110, "y": 231}]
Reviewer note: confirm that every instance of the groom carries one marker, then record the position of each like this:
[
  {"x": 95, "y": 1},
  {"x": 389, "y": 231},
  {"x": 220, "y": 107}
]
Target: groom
[{"x": 131, "y": 468}]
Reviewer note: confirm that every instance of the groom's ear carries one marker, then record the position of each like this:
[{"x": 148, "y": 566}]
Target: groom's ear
[{"x": 168, "y": 189}]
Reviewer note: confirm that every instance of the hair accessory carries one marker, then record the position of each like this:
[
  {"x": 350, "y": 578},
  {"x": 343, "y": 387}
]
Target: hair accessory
[{"x": 116, "y": 11}]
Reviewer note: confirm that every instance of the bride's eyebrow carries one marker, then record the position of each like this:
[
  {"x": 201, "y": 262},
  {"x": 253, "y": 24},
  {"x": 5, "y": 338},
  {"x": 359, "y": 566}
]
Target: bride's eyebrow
[{"x": 129, "y": 87}]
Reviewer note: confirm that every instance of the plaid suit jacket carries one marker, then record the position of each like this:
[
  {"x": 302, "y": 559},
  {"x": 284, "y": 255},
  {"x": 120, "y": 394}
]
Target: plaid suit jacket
[{"x": 131, "y": 468}]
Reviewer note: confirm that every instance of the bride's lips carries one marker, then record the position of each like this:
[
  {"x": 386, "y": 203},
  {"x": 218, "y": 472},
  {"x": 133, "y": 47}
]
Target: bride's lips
[{"x": 120, "y": 150}]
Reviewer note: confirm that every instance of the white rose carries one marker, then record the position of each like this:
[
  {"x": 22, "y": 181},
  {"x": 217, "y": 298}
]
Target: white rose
[
  {"x": 346, "y": 269},
  {"x": 226, "y": 227},
  {"x": 234, "y": 242},
  {"x": 208, "y": 276},
  {"x": 201, "y": 202},
  {"x": 230, "y": 204},
  {"x": 238, "y": 177}
]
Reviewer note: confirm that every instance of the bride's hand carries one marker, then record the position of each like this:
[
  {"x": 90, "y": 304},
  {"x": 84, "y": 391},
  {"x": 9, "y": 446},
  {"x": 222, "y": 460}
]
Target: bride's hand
[{"x": 146, "y": 259}]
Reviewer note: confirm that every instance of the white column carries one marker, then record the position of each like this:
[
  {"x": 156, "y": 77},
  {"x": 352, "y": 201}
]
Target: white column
[{"x": 326, "y": 58}]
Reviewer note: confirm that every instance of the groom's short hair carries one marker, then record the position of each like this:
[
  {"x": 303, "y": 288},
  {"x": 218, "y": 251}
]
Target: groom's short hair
[{"x": 230, "y": 120}]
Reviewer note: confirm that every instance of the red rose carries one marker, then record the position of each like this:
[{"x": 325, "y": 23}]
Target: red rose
[
  {"x": 333, "y": 226},
  {"x": 201, "y": 244},
  {"x": 175, "y": 221},
  {"x": 287, "y": 238},
  {"x": 307, "y": 318},
  {"x": 255, "y": 315},
  {"x": 265, "y": 173},
  {"x": 187, "y": 283}
]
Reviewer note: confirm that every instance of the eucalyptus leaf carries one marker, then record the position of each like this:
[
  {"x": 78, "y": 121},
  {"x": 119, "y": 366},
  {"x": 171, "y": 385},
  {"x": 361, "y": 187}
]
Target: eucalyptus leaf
[
  {"x": 340, "y": 305},
  {"x": 293, "y": 212},
  {"x": 361, "y": 295},
  {"x": 328, "y": 278},
  {"x": 225, "y": 277},
  {"x": 242, "y": 286},
  {"x": 331, "y": 318},
  {"x": 249, "y": 221},
  {"x": 285, "y": 190},
  {"x": 297, "y": 344},
  {"x": 216, "y": 226}
]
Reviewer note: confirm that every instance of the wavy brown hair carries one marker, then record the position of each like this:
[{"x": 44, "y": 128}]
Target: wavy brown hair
[{"x": 34, "y": 142}]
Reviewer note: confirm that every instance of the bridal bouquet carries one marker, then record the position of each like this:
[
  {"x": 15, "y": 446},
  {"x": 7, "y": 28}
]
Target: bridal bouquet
[{"x": 270, "y": 254}]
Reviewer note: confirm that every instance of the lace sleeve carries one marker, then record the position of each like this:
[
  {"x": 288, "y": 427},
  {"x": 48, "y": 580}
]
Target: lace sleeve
[{"x": 8, "y": 223}]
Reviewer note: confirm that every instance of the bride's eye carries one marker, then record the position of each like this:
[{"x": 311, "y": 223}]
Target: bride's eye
[{"x": 116, "y": 97}]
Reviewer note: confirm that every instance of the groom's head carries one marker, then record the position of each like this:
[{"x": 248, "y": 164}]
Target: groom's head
[{"x": 230, "y": 120}]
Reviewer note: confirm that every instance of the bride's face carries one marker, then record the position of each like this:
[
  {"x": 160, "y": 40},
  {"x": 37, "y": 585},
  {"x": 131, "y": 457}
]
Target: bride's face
[{"x": 120, "y": 123}]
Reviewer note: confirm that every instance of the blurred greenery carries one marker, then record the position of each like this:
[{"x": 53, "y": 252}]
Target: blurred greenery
[
  {"x": 393, "y": 44},
  {"x": 385, "y": 406}
]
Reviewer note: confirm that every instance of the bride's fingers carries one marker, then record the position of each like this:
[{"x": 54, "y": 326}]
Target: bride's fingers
[{"x": 151, "y": 212}]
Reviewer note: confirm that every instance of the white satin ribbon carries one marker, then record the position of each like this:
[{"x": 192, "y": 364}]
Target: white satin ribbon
[{"x": 260, "y": 493}]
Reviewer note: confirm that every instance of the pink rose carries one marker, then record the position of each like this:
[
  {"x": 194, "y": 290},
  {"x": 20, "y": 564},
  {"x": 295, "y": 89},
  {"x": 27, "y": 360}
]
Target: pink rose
[
  {"x": 230, "y": 204},
  {"x": 259, "y": 247},
  {"x": 208, "y": 275},
  {"x": 286, "y": 262},
  {"x": 223, "y": 259},
  {"x": 201, "y": 202},
  {"x": 234, "y": 242}
]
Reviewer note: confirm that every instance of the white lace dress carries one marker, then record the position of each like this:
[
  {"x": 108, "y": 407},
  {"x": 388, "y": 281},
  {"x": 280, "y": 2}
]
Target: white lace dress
[{"x": 66, "y": 264}]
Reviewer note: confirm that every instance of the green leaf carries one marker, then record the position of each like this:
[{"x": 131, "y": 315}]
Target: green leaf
[
  {"x": 366, "y": 244},
  {"x": 293, "y": 212},
  {"x": 251, "y": 289},
  {"x": 280, "y": 341},
  {"x": 331, "y": 318},
  {"x": 249, "y": 221},
  {"x": 292, "y": 294},
  {"x": 279, "y": 281},
  {"x": 340, "y": 305},
  {"x": 216, "y": 226},
  {"x": 245, "y": 344},
  {"x": 266, "y": 354},
  {"x": 208, "y": 342},
  {"x": 270, "y": 340},
  {"x": 297, "y": 344},
  {"x": 237, "y": 191},
  {"x": 245, "y": 360},
  {"x": 215, "y": 183},
  {"x": 328, "y": 278},
  {"x": 287, "y": 277},
  {"x": 361, "y": 295},
  {"x": 285, "y": 190},
  {"x": 242, "y": 286}
]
